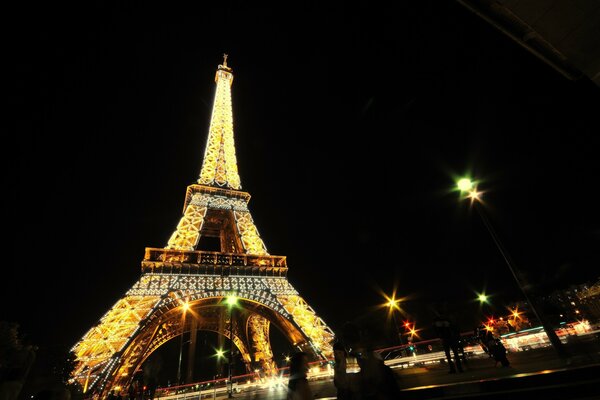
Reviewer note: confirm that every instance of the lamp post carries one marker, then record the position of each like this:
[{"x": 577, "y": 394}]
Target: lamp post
[
  {"x": 392, "y": 305},
  {"x": 220, "y": 354},
  {"x": 465, "y": 185},
  {"x": 185, "y": 306},
  {"x": 231, "y": 302}
]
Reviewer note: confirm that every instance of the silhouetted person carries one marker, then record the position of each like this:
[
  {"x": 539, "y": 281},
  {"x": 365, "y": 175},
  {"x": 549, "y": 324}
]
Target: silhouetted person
[
  {"x": 132, "y": 391},
  {"x": 359, "y": 372},
  {"x": 449, "y": 335},
  {"x": 492, "y": 346},
  {"x": 298, "y": 388}
]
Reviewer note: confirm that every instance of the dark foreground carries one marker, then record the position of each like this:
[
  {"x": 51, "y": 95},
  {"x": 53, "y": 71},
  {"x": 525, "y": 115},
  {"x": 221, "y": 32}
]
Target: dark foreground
[{"x": 535, "y": 374}]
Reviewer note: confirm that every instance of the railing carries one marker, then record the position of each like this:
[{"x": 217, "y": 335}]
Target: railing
[{"x": 160, "y": 260}]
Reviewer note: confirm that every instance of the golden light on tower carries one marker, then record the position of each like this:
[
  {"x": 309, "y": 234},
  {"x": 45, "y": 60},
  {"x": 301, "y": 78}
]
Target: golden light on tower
[
  {"x": 220, "y": 163},
  {"x": 185, "y": 273}
]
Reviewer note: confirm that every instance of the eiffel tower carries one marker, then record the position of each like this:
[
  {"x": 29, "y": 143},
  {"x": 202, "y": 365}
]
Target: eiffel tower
[{"x": 183, "y": 288}]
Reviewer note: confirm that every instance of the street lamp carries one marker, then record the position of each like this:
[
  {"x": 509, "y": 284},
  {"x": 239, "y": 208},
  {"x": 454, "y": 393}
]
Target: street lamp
[
  {"x": 468, "y": 189},
  {"x": 392, "y": 304},
  {"x": 231, "y": 302},
  {"x": 185, "y": 306},
  {"x": 482, "y": 297}
]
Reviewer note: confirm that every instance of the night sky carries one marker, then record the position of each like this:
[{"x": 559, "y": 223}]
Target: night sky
[{"x": 351, "y": 123}]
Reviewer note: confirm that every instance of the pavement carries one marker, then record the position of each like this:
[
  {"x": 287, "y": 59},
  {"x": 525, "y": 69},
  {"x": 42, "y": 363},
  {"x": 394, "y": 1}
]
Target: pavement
[{"x": 535, "y": 373}]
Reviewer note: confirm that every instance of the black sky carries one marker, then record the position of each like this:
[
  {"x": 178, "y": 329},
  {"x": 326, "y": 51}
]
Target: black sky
[{"x": 351, "y": 123}]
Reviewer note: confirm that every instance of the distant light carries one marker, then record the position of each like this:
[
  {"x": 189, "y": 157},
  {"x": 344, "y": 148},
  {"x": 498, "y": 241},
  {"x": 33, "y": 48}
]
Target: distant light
[
  {"x": 220, "y": 353},
  {"x": 393, "y": 303},
  {"x": 482, "y": 298},
  {"x": 186, "y": 306},
  {"x": 464, "y": 184},
  {"x": 474, "y": 195},
  {"x": 231, "y": 300}
]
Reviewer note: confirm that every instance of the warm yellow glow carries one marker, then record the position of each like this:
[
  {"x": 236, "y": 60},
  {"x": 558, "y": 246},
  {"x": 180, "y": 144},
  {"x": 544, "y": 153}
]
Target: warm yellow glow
[
  {"x": 251, "y": 240},
  {"x": 474, "y": 195},
  {"x": 482, "y": 298},
  {"x": 310, "y": 324},
  {"x": 287, "y": 358},
  {"x": 220, "y": 164},
  {"x": 129, "y": 332},
  {"x": 393, "y": 303}
]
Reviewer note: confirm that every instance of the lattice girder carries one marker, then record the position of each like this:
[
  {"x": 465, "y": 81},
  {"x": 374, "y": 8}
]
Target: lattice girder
[
  {"x": 258, "y": 334},
  {"x": 197, "y": 211},
  {"x": 253, "y": 244},
  {"x": 149, "y": 315},
  {"x": 112, "y": 334},
  {"x": 188, "y": 230},
  {"x": 220, "y": 164},
  {"x": 321, "y": 336}
]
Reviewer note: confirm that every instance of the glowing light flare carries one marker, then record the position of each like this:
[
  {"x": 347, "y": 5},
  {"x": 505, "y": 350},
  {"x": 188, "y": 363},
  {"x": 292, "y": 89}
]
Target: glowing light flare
[
  {"x": 464, "y": 184},
  {"x": 474, "y": 195},
  {"x": 220, "y": 353},
  {"x": 231, "y": 300},
  {"x": 393, "y": 303},
  {"x": 482, "y": 297}
]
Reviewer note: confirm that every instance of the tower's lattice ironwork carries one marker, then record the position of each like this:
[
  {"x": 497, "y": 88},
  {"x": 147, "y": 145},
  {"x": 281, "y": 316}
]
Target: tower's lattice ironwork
[{"x": 184, "y": 287}]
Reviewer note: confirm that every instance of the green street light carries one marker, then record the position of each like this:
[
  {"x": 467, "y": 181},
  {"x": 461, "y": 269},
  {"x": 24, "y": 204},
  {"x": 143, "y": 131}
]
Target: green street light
[
  {"x": 466, "y": 185},
  {"x": 482, "y": 298},
  {"x": 231, "y": 300}
]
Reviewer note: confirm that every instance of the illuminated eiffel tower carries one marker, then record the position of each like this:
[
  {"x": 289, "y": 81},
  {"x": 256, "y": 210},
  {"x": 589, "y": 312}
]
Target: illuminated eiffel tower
[{"x": 183, "y": 289}]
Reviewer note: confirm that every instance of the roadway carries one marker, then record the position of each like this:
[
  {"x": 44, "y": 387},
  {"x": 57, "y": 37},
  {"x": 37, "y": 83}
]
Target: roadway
[{"x": 537, "y": 373}]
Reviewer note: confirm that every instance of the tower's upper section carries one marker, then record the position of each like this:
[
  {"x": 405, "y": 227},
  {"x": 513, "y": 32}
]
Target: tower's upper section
[{"x": 219, "y": 167}]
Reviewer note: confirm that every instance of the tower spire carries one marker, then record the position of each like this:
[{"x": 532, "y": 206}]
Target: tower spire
[{"x": 219, "y": 167}]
